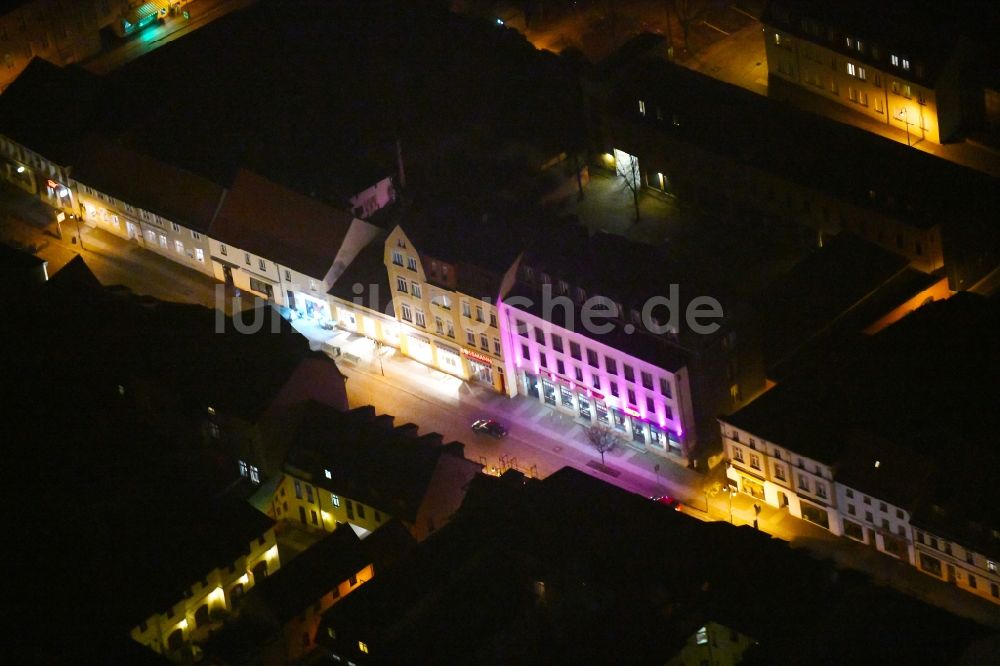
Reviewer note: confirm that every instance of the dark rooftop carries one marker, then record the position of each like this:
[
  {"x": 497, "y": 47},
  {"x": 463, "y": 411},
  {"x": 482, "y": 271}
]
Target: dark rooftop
[
  {"x": 845, "y": 285},
  {"x": 31, "y": 114},
  {"x": 368, "y": 270},
  {"x": 274, "y": 222},
  {"x": 922, "y": 190},
  {"x": 369, "y": 461},
  {"x": 924, "y": 378},
  {"x": 178, "y": 195},
  {"x": 534, "y": 573},
  {"x": 924, "y": 31}
]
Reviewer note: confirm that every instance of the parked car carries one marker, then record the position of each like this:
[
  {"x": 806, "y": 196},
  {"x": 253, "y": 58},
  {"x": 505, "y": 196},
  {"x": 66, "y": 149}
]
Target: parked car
[
  {"x": 490, "y": 427},
  {"x": 672, "y": 502}
]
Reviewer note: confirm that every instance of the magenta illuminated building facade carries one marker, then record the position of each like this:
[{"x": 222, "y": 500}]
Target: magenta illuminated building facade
[{"x": 582, "y": 375}]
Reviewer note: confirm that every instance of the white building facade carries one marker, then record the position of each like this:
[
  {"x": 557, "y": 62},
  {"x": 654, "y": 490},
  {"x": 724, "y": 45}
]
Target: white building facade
[
  {"x": 567, "y": 371},
  {"x": 781, "y": 477}
]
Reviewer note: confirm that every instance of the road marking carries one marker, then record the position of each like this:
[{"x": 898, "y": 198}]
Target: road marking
[{"x": 715, "y": 27}]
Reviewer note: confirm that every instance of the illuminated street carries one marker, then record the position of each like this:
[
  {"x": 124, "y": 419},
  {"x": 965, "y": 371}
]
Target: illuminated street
[
  {"x": 499, "y": 332},
  {"x": 202, "y": 13}
]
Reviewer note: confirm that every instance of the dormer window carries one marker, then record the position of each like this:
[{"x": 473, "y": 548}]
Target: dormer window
[
  {"x": 894, "y": 59},
  {"x": 642, "y": 108},
  {"x": 906, "y": 64}
]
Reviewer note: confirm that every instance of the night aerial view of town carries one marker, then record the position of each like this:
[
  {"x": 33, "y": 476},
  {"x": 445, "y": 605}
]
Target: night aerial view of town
[{"x": 510, "y": 332}]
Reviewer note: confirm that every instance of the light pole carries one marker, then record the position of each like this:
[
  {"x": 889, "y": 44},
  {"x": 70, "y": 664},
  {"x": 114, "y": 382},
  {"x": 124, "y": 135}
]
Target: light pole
[
  {"x": 79, "y": 235},
  {"x": 906, "y": 123},
  {"x": 732, "y": 491}
]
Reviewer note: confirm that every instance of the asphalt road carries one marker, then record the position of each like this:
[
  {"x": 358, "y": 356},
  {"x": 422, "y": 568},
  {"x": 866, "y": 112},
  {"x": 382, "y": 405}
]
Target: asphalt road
[{"x": 202, "y": 13}]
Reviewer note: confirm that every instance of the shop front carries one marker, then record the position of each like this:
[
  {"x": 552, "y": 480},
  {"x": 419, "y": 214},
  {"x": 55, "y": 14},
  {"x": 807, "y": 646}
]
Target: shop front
[
  {"x": 480, "y": 367},
  {"x": 449, "y": 359},
  {"x": 308, "y": 306},
  {"x": 591, "y": 407}
]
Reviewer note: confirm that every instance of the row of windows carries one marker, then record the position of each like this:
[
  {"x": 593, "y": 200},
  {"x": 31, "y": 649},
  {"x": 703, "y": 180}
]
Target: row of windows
[
  {"x": 593, "y": 359},
  {"x": 397, "y": 259},
  {"x": 579, "y": 295},
  {"x": 612, "y": 386},
  {"x": 442, "y": 300},
  {"x": 945, "y": 547},
  {"x": 816, "y": 29}
]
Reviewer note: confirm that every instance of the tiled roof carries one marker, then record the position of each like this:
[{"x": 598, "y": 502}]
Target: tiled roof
[{"x": 271, "y": 221}]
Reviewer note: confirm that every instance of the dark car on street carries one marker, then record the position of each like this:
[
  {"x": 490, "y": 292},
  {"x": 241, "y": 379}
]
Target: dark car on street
[{"x": 490, "y": 427}]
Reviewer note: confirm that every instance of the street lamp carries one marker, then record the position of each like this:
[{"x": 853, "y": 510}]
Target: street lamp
[
  {"x": 79, "y": 235},
  {"x": 906, "y": 123}
]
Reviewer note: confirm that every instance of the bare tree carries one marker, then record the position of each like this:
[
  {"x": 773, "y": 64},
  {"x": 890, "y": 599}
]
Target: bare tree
[
  {"x": 628, "y": 169},
  {"x": 602, "y": 438},
  {"x": 687, "y": 12}
]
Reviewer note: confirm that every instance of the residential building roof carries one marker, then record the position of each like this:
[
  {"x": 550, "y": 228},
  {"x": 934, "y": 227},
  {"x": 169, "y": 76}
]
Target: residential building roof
[
  {"x": 882, "y": 469},
  {"x": 843, "y": 286},
  {"x": 271, "y": 221},
  {"x": 368, "y": 270},
  {"x": 480, "y": 246},
  {"x": 920, "y": 30},
  {"x": 534, "y": 572},
  {"x": 942, "y": 356},
  {"x": 369, "y": 461},
  {"x": 920, "y": 189},
  {"x": 319, "y": 569},
  {"x": 656, "y": 350},
  {"x": 48, "y": 108},
  {"x": 142, "y": 181}
]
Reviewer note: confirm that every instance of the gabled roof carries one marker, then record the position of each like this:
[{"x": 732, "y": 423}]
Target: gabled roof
[
  {"x": 178, "y": 195},
  {"x": 321, "y": 568},
  {"x": 271, "y": 221},
  {"x": 368, "y": 270},
  {"x": 368, "y": 460}
]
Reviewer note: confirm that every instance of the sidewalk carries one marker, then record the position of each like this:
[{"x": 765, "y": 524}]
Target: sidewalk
[{"x": 964, "y": 153}]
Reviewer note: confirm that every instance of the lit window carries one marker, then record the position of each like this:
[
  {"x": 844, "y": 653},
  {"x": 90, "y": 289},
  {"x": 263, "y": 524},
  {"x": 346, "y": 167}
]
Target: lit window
[
  {"x": 906, "y": 64},
  {"x": 401, "y": 284},
  {"x": 179, "y": 246},
  {"x": 335, "y": 499},
  {"x": 702, "y": 636},
  {"x": 363, "y": 647},
  {"x": 851, "y": 69},
  {"x": 199, "y": 254},
  {"x": 894, "y": 59},
  {"x": 411, "y": 263},
  {"x": 327, "y": 473},
  {"x": 415, "y": 289},
  {"x": 397, "y": 258},
  {"x": 642, "y": 107}
]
